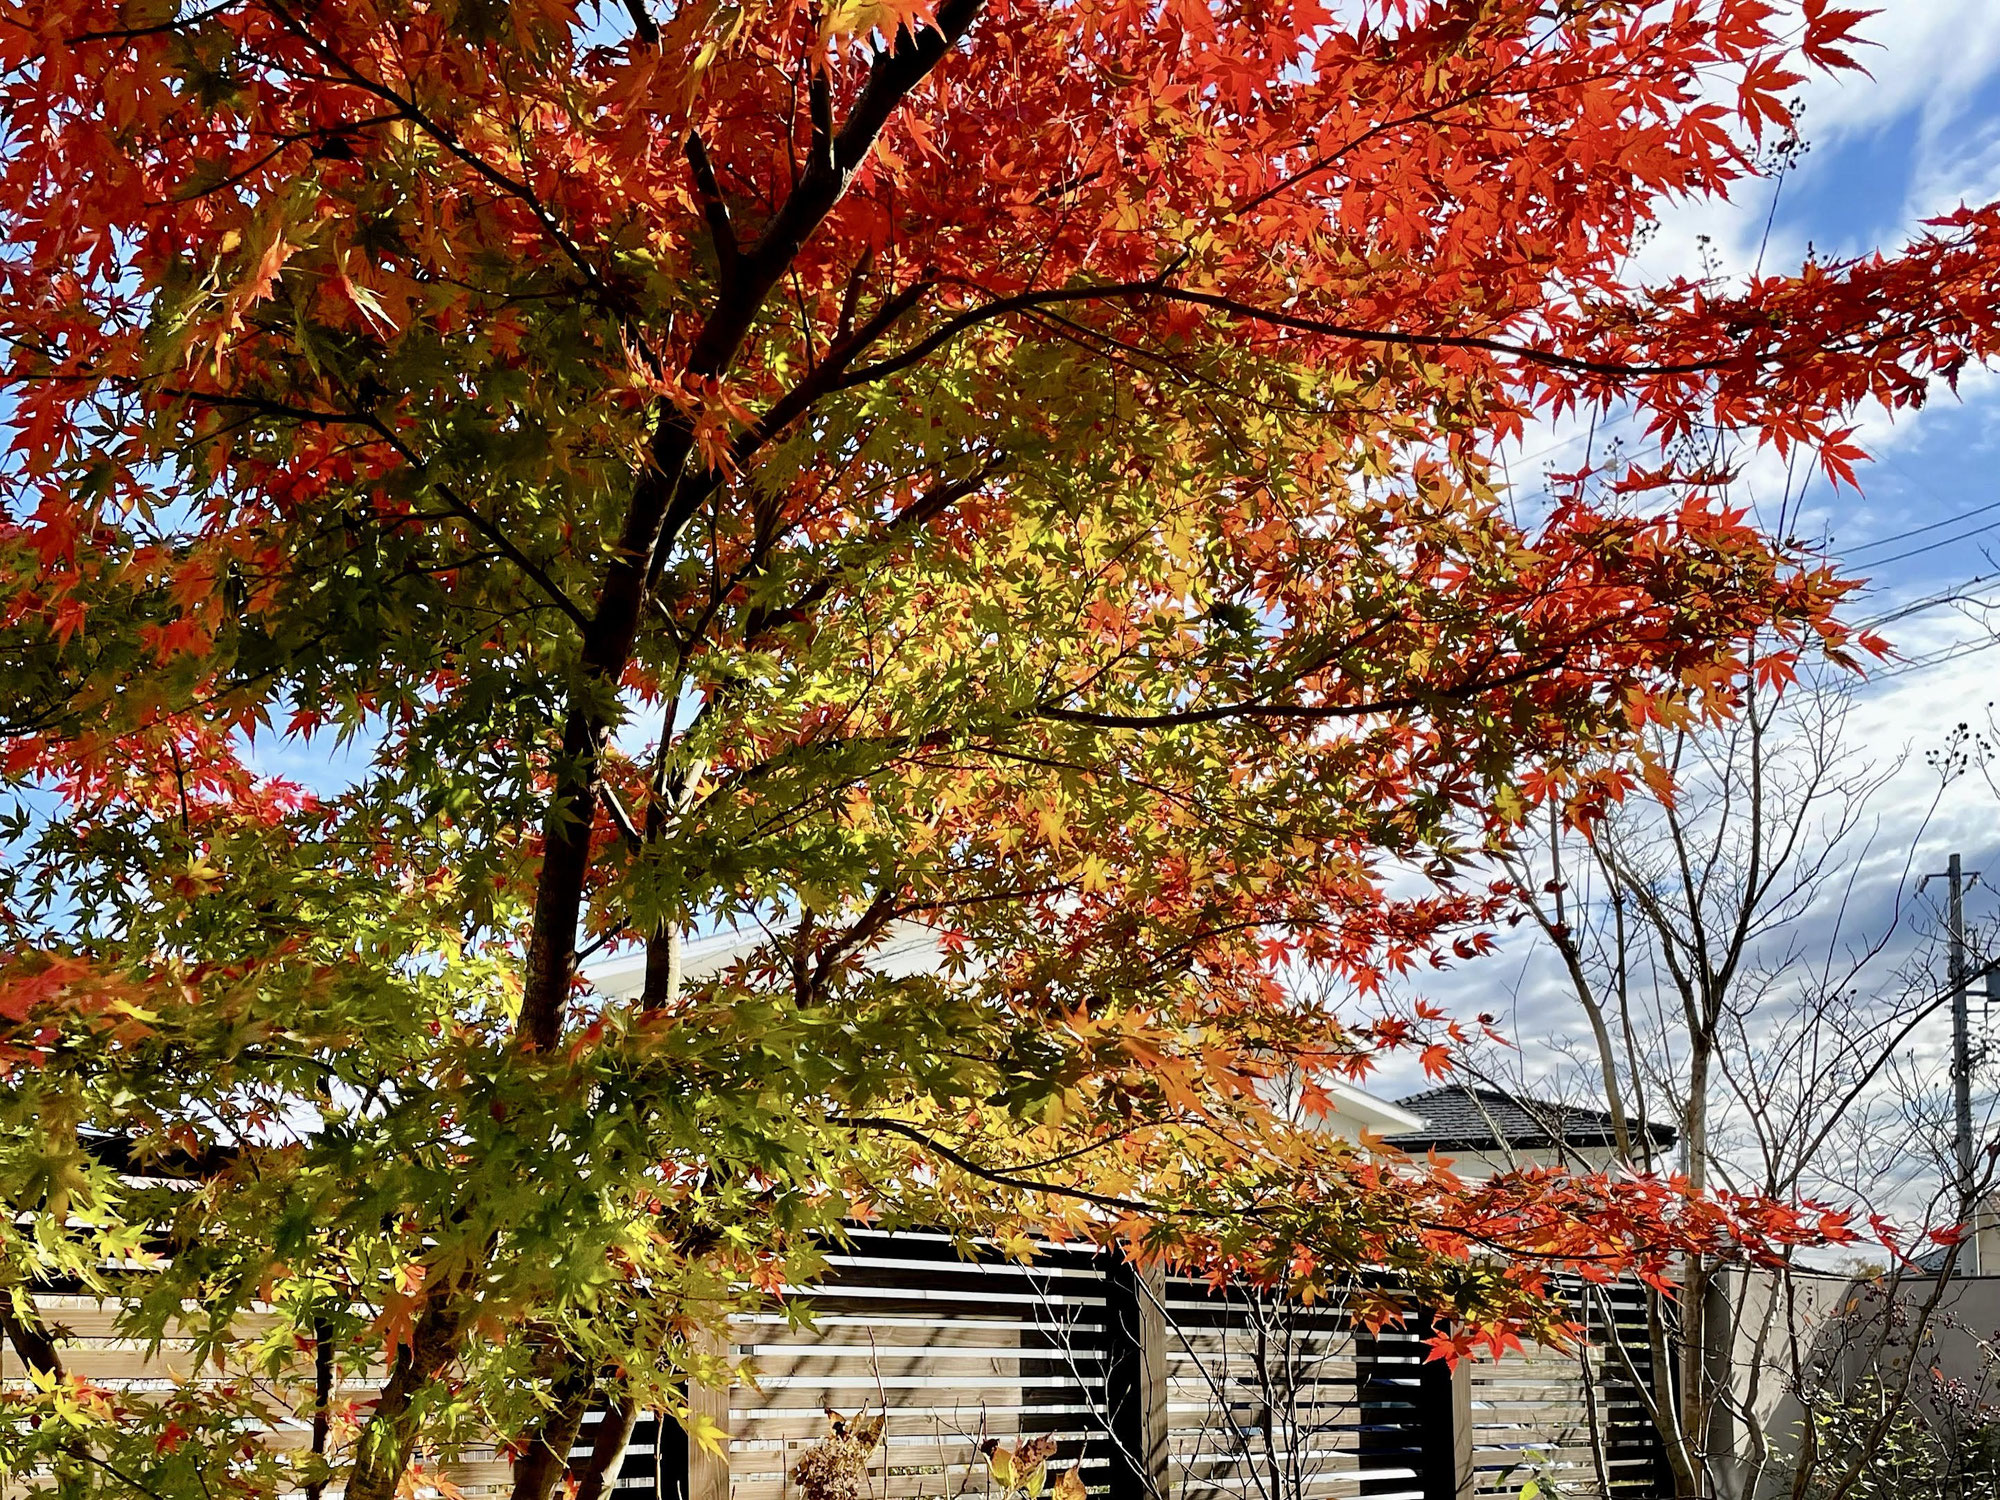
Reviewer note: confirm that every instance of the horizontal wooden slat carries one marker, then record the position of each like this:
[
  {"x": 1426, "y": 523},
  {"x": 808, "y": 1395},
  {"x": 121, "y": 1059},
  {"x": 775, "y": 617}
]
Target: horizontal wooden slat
[{"x": 962, "y": 1350}]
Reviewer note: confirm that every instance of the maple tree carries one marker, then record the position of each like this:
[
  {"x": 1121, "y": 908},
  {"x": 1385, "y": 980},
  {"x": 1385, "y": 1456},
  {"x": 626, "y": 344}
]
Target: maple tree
[{"x": 1028, "y": 470}]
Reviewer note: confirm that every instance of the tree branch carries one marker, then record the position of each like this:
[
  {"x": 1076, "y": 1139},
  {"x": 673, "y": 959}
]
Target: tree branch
[
  {"x": 456, "y": 504},
  {"x": 1247, "y": 312},
  {"x": 713, "y": 207},
  {"x": 1254, "y": 709},
  {"x": 663, "y": 501},
  {"x": 1000, "y": 1177},
  {"x": 642, "y": 22}
]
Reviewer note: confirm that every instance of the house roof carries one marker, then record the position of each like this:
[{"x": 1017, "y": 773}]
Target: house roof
[
  {"x": 1462, "y": 1117},
  {"x": 1371, "y": 1111}
]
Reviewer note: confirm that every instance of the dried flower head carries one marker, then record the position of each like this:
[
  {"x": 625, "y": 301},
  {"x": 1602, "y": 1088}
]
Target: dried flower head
[{"x": 836, "y": 1467}]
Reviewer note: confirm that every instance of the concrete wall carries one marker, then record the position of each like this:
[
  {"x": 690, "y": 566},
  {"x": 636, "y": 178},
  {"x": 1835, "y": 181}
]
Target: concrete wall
[{"x": 1804, "y": 1338}]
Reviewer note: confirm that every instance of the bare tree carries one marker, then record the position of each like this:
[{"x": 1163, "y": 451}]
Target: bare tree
[
  {"x": 1275, "y": 1378},
  {"x": 1724, "y": 933}
]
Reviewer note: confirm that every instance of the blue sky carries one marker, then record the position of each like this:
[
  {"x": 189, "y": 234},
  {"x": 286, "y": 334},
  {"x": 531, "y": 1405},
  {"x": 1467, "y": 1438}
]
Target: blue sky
[
  {"x": 1914, "y": 139},
  {"x": 1919, "y": 136}
]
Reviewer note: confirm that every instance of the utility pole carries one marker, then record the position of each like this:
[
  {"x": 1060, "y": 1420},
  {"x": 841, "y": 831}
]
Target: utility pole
[{"x": 1961, "y": 1044}]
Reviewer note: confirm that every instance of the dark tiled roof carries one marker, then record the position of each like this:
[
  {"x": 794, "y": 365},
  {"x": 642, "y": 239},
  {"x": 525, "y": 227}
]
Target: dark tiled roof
[
  {"x": 1461, "y": 1117},
  {"x": 1931, "y": 1262}
]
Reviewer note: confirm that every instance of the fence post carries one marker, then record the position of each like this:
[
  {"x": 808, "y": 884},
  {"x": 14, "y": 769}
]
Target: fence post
[
  {"x": 708, "y": 1473},
  {"x": 1444, "y": 1430},
  {"x": 1135, "y": 1379},
  {"x": 1461, "y": 1426},
  {"x": 1414, "y": 1412},
  {"x": 682, "y": 1469}
]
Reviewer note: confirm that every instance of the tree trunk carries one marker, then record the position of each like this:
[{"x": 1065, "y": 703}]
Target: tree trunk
[
  {"x": 664, "y": 497},
  {"x": 1694, "y": 1392},
  {"x": 1694, "y": 1352},
  {"x": 607, "y": 1449},
  {"x": 389, "y": 1439},
  {"x": 540, "y": 1469},
  {"x": 669, "y": 491}
]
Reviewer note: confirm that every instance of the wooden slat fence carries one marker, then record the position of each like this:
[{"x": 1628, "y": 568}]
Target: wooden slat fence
[
  {"x": 1268, "y": 1397},
  {"x": 1533, "y": 1414},
  {"x": 956, "y": 1352},
  {"x": 1156, "y": 1388}
]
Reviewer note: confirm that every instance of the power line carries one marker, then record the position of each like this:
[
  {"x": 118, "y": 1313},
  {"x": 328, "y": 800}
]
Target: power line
[
  {"x": 1956, "y": 594},
  {"x": 1977, "y": 510},
  {"x": 1575, "y": 439},
  {"x": 1949, "y": 541},
  {"x": 1937, "y": 659}
]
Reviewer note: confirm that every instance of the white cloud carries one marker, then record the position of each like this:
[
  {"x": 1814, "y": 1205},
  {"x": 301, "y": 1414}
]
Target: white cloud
[
  {"x": 1932, "y": 58},
  {"x": 1925, "y": 78},
  {"x": 1957, "y": 163}
]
